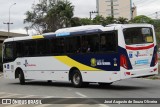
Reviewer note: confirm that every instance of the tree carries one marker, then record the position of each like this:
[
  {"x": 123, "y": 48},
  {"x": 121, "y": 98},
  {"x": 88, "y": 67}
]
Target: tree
[
  {"x": 86, "y": 21},
  {"x": 142, "y": 19},
  {"x": 121, "y": 20},
  {"x": 110, "y": 20},
  {"x": 99, "y": 20},
  {"x": 75, "y": 21},
  {"x": 47, "y": 16},
  {"x": 36, "y": 17}
]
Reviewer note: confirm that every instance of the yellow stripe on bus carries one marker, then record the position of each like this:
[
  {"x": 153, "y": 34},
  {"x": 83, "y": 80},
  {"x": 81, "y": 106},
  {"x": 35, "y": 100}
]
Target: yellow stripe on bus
[
  {"x": 37, "y": 37},
  {"x": 72, "y": 63}
]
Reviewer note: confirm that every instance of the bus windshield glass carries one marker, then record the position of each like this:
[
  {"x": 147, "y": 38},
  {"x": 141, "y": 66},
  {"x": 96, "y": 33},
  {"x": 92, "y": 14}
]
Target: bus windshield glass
[
  {"x": 8, "y": 52},
  {"x": 138, "y": 35}
]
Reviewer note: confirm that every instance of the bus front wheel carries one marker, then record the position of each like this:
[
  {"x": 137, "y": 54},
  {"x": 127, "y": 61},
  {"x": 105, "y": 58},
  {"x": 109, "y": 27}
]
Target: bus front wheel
[
  {"x": 21, "y": 78},
  {"x": 76, "y": 79}
]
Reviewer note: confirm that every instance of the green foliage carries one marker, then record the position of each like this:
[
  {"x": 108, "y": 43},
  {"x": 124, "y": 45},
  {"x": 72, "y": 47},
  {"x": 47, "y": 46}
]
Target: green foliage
[
  {"x": 99, "y": 20},
  {"x": 47, "y": 16},
  {"x": 36, "y": 16},
  {"x": 59, "y": 16},
  {"x": 142, "y": 19},
  {"x": 86, "y": 21},
  {"x": 121, "y": 20},
  {"x": 157, "y": 25},
  {"x": 110, "y": 20},
  {"x": 75, "y": 21}
]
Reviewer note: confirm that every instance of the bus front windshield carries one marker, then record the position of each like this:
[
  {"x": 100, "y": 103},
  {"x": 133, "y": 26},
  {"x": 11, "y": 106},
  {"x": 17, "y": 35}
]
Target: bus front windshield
[
  {"x": 138, "y": 35},
  {"x": 7, "y": 52}
]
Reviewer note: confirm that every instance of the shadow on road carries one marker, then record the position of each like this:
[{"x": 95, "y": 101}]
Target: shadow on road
[{"x": 90, "y": 86}]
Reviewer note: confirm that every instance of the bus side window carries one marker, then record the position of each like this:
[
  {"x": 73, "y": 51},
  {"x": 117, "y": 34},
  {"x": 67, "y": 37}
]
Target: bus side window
[
  {"x": 108, "y": 42},
  {"x": 19, "y": 49},
  {"x": 72, "y": 44},
  {"x": 43, "y": 47},
  {"x": 57, "y": 46},
  {"x": 53, "y": 46},
  {"x": 90, "y": 43},
  {"x": 61, "y": 46},
  {"x": 30, "y": 48}
]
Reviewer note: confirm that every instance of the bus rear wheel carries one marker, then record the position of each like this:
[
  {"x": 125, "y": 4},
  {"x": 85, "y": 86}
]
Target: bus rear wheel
[
  {"x": 21, "y": 78},
  {"x": 76, "y": 79}
]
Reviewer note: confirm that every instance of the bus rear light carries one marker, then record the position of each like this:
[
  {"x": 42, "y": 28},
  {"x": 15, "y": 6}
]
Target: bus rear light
[
  {"x": 156, "y": 59},
  {"x": 155, "y": 69},
  {"x": 127, "y": 73},
  {"x": 115, "y": 73},
  {"x": 123, "y": 62}
]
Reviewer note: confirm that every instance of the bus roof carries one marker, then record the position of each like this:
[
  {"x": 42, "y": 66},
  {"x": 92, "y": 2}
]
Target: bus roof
[
  {"x": 80, "y": 30},
  {"x": 129, "y": 25}
]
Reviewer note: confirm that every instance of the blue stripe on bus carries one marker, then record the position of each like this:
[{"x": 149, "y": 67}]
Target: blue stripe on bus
[{"x": 153, "y": 57}]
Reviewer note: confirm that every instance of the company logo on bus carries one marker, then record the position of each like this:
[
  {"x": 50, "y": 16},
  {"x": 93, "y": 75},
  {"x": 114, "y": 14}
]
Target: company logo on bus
[
  {"x": 139, "y": 55},
  {"x": 95, "y": 62},
  {"x": 28, "y": 65}
]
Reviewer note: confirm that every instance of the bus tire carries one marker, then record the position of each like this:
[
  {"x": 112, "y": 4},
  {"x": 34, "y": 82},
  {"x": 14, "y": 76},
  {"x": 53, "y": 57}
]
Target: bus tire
[
  {"x": 76, "y": 79},
  {"x": 21, "y": 78},
  {"x": 104, "y": 84}
]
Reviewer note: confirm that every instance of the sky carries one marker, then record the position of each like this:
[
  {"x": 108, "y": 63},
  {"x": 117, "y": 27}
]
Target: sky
[{"x": 82, "y": 9}]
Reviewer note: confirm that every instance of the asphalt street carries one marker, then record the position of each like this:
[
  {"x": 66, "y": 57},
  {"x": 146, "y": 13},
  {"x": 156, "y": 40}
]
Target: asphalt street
[{"x": 130, "y": 88}]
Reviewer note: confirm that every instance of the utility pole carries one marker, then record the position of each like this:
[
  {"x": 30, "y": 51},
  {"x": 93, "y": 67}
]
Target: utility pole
[
  {"x": 132, "y": 10},
  {"x": 8, "y": 26},
  {"x": 156, "y": 15},
  {"x": 112, "y": 9},
  {"x": 91, "y": 12},
  {"x": 8, "y": 23}
]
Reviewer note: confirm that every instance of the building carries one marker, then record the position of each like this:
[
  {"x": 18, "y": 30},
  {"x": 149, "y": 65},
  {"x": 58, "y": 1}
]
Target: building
[
  {"x": 4, "y": 35},
  {"x": 116, "y": 8}
]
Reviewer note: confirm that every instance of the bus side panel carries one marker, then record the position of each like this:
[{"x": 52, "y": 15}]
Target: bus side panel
[
  {"x": 43, "y": 68},
  {"x": 100, "y": 76}
]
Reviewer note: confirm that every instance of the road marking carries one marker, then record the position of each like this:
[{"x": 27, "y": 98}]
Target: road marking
[
  {"x": 69, "y": 89},
  {"x": 28, "y": 96},
  {"x": 43, "y": 105},
  {"x": 103, "y": 105},
  {"x": 7, "y": 96},
  {"x": 77, "y": 105},
  {"x": 16, "y": 105},
  {"x": 2, "y": 93},
  {"x": 80, "y": 94},
  {"x": 84, "y": 96}
]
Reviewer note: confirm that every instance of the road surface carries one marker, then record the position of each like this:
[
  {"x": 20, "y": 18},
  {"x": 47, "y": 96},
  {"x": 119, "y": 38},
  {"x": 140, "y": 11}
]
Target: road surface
[{"x": 130, "y": 88}]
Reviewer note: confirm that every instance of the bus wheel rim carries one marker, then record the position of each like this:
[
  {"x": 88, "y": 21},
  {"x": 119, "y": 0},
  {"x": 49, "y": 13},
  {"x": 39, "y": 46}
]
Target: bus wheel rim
[{"x": 76, "y": 79}]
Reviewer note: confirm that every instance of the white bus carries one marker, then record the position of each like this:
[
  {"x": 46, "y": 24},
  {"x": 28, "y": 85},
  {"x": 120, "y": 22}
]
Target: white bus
[{"x": 83, "y": 54}]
